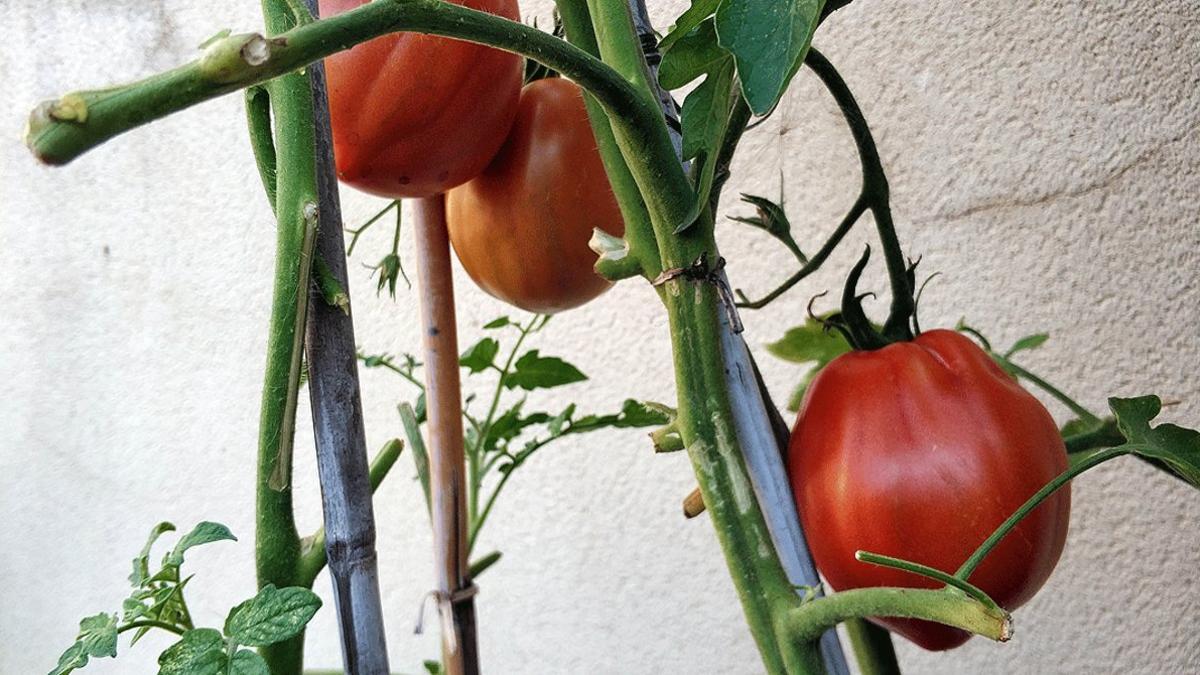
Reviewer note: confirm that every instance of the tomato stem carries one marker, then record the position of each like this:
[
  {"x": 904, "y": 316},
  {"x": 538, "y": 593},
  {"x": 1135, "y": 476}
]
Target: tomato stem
[
  {"x": 946, "y": 606},
  {"x": 927, "y": 572},
  {"x": 873, "y": 648},
  {"x": 277, "y": 543},
  {"x": 61, "y": 130},
  {"x": 876, "y": 193},
  {"x": 1007, "y": 526}
]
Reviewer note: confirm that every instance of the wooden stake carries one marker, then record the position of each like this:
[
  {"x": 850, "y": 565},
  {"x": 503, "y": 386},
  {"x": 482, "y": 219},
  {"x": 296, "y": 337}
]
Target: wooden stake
[{"x": 456, "y": 604}]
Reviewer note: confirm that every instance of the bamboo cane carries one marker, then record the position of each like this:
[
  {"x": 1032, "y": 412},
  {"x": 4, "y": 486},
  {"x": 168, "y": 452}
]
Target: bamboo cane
[
  {"x": 338, "y": 428},
  {"x": 456, "y": 605}
]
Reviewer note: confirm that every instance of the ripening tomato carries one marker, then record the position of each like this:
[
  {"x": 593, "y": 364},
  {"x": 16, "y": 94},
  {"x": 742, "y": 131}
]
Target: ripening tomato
[
  {"x": 414, "y": 115},
  {"x": 521, "y": 228},
  {"x": 919, "y": 450}
]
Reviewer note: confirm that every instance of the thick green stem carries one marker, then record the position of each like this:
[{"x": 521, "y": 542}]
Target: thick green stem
[
  {"x": 277, "y": 546},
  {"x": 647, "y": 148},
  {"x": 873, "y": 649},
  {"x": 639, "y": 233},
  {"x": 694, "y": 308},
  {"x": 947, "y": 606},
  {"x": 62, "y": 129}
]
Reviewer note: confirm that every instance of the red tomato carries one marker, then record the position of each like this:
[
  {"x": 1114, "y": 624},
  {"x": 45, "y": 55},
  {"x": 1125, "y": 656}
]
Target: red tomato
[
  {"x": 521, "y": 228},
  {"x": 919, "y": 451},
  {"x": 414, "y": 115}
]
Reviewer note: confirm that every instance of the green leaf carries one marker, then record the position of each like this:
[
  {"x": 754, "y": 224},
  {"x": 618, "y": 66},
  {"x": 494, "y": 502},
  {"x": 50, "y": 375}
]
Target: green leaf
[
  {"x": 634, "y": 414},
  {"x": 510, "y": 425},
  {"x": 479, "y": 356},
  {"x": 434, "y": 667},
  {"x": 274, "y": 615},
  {"x": 246, "y": 662},
  {"x": 704, "y": 119},
  {"x": 559, "y": 421},
  {"x": 1078, "y": 426},
  {"x": 198, "y": 652},
  {"x": 694, "y": 55},
  {"x": 1175, "y": 446},
  {"x": 1028, "y": 342},
  {"x": 141, "y": 564},
  {"x": 74, "y": 657},
  {"x": 694, "y": 16},
  {"x": 204, "y": 533},
  {"x": 809, "y": 343},
  {"x": 769, "y": 39},
  {"x": 498, "y": 322},
  {"x": 97, "y": 638},
  {"x": 533, "y": 371},
  {"x": 98, "y": 635},
  {"x": 478, "y": 566}
]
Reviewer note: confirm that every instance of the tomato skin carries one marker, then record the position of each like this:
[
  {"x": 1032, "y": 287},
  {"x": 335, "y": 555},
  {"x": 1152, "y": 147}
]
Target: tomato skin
[
  {"x": 521, "y": 228},
  {"x": 414, "y": 115},
  {"x": 919, "y": 451}
]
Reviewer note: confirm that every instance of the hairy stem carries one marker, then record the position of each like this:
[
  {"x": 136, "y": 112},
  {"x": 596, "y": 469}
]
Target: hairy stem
[
  {"x": 946, "y": 606},
  {"x": 873, "y": 648},
  {"x": 277, "y": 545},
  {"x": 1007, "y": 526},
  {"x": 62, "y": 129},
  {"x": 876, "y": 192}
]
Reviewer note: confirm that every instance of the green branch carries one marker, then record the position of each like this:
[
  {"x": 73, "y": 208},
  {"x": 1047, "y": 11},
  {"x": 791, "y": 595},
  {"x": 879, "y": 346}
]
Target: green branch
[
  {"x": 946, "y": 606},
  {"x": 61, "y": 130}
]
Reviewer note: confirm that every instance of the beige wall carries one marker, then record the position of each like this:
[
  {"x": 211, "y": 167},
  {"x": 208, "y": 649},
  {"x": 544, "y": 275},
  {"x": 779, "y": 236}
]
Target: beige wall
[{"x": 1042, "y": 157}]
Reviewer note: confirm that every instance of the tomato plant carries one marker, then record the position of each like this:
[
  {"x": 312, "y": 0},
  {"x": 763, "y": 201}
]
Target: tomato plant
[
  {"x": 917, "y": 454},
  {"x": 921, "y": 449},
  {"x": 414, "y": 115},
  {"x": 521, "y": 228}
]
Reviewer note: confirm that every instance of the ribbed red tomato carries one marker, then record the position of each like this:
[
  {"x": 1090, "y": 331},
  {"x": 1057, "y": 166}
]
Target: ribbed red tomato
[
  {"x": 414, "y": 115},
  {"x": 919, "y": 450},
  {"x": 521, "y": 228}
]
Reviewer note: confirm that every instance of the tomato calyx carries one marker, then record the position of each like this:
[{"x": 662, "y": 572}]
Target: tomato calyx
[{"x": 852, "y": 322}]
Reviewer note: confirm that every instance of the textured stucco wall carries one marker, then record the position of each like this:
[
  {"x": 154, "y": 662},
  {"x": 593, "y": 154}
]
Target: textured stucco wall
[{"x": 1042, "y": 158}]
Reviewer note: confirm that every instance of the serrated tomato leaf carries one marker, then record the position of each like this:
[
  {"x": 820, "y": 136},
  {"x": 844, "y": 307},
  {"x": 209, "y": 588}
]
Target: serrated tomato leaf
[
  {"x": 1175, "y": 446},
  {"x": 534, "y": 371},
  {"x": 687, "y": 22},
  {"x": 479, "y": 356},
  {"x": 204, "y": 533},
  {"x": 809, "y": 342},
  {"x": 633, "y": 414},
  {"x": 97, "y": 638},
  {"x": 246, "y": 662},
  {"x": 199, "y": 652},
  {"x": 141, "y": 564},
  {"x": 274, "y": 615},
  {"x": 769, "y": 39},
  {"x": 695, "y": 54}
]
